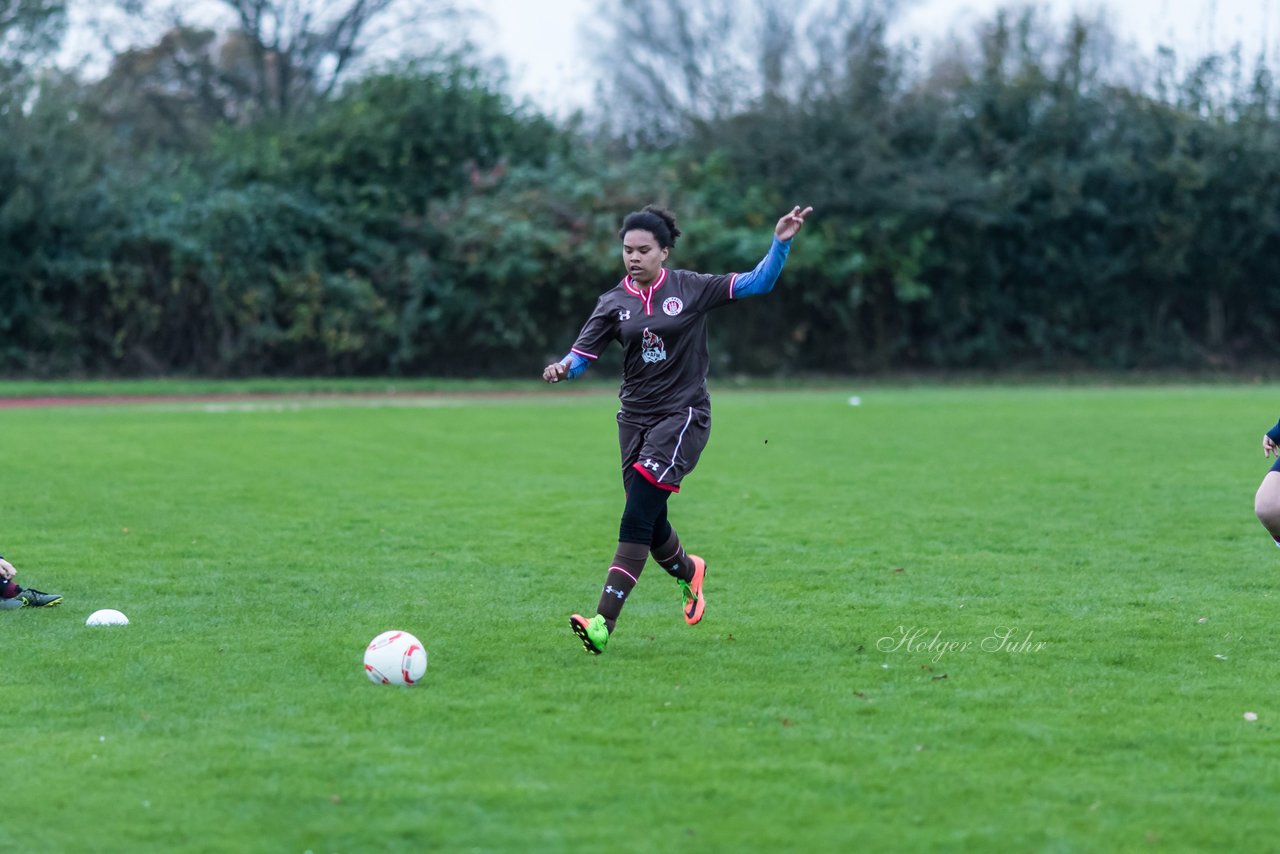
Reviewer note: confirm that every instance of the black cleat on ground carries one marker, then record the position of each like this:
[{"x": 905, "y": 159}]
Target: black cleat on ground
[{"x": 37, "y": 599}]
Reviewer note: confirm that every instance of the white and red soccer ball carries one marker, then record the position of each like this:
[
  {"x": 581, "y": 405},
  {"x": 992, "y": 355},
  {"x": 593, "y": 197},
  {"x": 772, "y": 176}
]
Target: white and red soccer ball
[{"x": 395, "y": 658}]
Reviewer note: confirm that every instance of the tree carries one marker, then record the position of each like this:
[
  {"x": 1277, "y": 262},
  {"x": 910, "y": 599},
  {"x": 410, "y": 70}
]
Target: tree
[
  {"x": 671, "y": 66},
  {"x": 252, "y": 59},
  {"x": 29, "y": 31},
  {"x": 300, "y": 49},
  {"x": 173, "y": 94}
]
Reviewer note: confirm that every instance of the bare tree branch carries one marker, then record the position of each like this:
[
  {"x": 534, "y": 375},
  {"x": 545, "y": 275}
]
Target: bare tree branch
[
  {"x": 678, "y": 64},
  {"x": 296, "y": 51}
]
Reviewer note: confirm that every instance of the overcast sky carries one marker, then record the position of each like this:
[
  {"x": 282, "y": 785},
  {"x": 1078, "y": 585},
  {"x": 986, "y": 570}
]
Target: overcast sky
[{"x": 540, "y": 40}]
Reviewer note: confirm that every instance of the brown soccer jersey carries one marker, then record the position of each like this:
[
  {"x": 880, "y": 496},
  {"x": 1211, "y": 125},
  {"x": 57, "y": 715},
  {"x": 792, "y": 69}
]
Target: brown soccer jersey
[{"x": 663, "y": 332}]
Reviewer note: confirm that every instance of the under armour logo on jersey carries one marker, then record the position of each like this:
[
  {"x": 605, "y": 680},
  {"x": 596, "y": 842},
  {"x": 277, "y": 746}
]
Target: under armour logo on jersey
[
  {"x": 650, "y": 465},
  {"x": 615, "y": 592},
  {"x": 624, "y": 314}
]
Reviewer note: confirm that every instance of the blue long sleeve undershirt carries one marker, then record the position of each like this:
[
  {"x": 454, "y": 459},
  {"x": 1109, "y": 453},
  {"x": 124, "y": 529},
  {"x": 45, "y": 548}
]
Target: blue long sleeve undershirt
[
  {"x": 577, "y": 364},
  {"x": 762, "y": 279},
  {"x": 758, "y": 282}
]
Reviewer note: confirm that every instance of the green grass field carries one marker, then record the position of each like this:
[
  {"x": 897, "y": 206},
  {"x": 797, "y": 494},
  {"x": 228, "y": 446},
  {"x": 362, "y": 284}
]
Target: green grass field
[{"x": 846, "y": 691}]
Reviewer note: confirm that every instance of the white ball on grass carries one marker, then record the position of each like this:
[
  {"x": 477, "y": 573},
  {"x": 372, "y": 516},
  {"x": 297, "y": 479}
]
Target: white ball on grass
[
  {"x": 107, "y": 617},
  {"x": 395, "y": 658}
]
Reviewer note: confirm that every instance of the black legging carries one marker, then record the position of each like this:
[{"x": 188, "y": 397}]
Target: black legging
[{"x": 644, "y": 518}]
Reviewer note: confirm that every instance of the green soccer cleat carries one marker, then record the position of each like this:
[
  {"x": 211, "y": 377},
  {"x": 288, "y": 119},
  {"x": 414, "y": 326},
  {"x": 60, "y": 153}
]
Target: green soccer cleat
[{"x": 593, "y": 633}]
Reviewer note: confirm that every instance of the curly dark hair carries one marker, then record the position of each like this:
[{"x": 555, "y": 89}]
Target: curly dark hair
[{"x": 659, "y": 222}]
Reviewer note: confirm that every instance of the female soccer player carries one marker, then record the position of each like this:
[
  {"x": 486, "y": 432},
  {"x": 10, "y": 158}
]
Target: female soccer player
[
  {"x": 1266, "y": 504},
  {"x": 660, "y": 318}
]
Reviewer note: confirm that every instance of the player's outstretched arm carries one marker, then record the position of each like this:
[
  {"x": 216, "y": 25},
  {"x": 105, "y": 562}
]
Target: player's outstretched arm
[
  {"x": 762, "y": 278},
  {"x": 790, "y": 224},
  {"x": 6, "y": 570}
]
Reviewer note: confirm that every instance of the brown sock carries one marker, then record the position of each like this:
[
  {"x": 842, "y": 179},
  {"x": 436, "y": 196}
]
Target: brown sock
[
  {"x": 671, "y": 557},
  {"x": 624, "y": 572}
]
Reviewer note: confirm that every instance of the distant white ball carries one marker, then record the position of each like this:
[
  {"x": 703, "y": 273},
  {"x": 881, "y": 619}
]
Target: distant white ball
[
  {"x": 855, "y": 401},
  {"x": 395, "y": 658},
  {"x": 107, "y": 617}
]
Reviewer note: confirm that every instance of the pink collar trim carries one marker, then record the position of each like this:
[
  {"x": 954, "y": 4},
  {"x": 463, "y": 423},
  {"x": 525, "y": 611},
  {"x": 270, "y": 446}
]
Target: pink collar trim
[{"x": 646, "y": 294}]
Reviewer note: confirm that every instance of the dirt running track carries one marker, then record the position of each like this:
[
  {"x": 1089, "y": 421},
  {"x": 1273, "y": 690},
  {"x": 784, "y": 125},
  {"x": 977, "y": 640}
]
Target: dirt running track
[
  {"x": 111, "y": 400},
  {"x": 424, "y": 398}
]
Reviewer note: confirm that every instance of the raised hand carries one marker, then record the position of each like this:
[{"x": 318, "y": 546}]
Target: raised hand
[{"x": 791, "y": 223}]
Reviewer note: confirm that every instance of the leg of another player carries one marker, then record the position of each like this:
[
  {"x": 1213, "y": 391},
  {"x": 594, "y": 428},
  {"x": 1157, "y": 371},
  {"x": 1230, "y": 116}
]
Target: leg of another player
[
  {"x": 1266, "y": 504},
  {"x": 13, "y": 595}
]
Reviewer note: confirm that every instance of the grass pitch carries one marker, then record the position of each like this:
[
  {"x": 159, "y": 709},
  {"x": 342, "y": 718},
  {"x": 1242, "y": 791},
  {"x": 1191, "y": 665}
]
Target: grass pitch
[{"x": 1024, "y": 619}]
